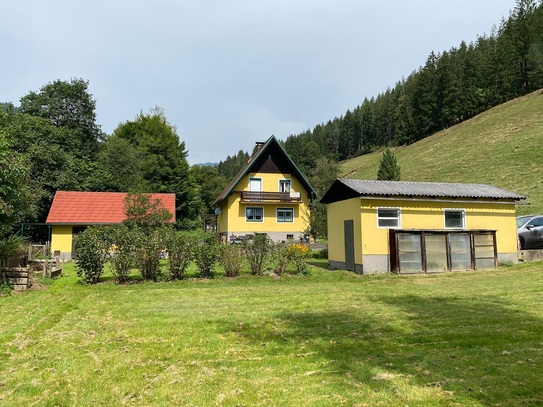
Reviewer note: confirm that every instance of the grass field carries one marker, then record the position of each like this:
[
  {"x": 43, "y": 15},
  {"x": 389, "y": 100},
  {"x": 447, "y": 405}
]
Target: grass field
[
  {"x": 329, "y": 338},
  {"x": 501, "y": 147}
]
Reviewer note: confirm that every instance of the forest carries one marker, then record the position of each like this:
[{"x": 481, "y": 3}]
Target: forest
[
  {"x": 451, "y": 86},
  {"x": 51, "y": 140}
]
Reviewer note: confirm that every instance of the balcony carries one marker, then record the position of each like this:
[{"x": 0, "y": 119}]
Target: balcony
[{"x": 271, "y": 197}]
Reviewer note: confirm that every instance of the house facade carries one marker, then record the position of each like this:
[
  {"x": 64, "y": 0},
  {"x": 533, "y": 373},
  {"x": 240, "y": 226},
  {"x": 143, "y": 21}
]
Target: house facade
[
  {"x": 268, "y": 195},
  {"x": 419, "y": 227},
  {"x": 72, "y": 212}
]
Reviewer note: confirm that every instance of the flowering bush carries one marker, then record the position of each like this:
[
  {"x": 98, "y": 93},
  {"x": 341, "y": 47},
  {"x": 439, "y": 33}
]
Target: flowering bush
[{"x": 298, "y": 253}]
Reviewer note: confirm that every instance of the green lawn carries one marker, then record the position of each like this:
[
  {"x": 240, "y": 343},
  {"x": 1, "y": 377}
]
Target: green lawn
[{"x": 330, "y": 338}]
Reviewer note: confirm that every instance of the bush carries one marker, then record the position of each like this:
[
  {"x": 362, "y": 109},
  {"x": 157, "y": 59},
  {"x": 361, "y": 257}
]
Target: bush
[
  {"x": 280, "y": 257},
  {"x": 150, "y": 244},
  {"x": 181, "y": 247},
  {"x": 257, "y": 250},
  {"x": 5, "y": 289},
  {"x": 91, "y": 248},
  {"x": 231, "y": 259},
  {"x": 12, "y": 246},
  {"x": 320, "y": 254},
  {"x": 206, "y": 255},
  {"x": 298, "y": 254},
  {"x": 122, "y": 244}
]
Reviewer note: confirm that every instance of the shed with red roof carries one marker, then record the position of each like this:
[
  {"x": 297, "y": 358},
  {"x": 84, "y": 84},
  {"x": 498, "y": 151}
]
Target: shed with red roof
[{"x": 72, "y": 212}]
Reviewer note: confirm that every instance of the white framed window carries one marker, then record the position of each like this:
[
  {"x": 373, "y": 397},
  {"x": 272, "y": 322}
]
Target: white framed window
[
  {"x": 455, "y": 218},
  {"x": 284, "y": 185},
  {"x": 255, "y": 184},
  {"x": 285, "y": 214},
  {"x": 388, "y": 217},
  {"x": 254, "y": 214}
]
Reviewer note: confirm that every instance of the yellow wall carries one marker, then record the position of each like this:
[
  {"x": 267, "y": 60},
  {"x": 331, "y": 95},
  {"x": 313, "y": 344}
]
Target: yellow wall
[
  {"x": 338, "y": 212},
  {"x": 414, "y": 215},
  {"x": 430, "y": 215},
  {"x": 61, "y": 239},
  {"x": 232, "y": 218}
]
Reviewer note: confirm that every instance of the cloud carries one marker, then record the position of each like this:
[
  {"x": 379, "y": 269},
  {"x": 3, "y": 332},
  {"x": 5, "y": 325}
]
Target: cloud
[{"x": 229, "y": 73}]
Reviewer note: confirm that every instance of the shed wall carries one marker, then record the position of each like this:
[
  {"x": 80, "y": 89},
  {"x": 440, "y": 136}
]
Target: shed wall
[
  {"x": 61, "y": 240},
  {"x": 338, "y": 213},
  {"x": 430, "y": 215}
]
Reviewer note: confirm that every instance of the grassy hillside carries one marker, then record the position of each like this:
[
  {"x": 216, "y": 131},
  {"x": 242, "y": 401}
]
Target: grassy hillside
[{"x": 501, "y": 147}]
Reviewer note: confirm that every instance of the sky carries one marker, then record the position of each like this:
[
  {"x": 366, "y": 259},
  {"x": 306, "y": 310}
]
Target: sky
[{"x": 232, "y": 72}]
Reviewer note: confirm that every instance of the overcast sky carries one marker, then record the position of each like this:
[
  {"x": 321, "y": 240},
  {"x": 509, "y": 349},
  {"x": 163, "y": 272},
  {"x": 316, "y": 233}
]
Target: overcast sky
[{"x": 232, "y": 72}]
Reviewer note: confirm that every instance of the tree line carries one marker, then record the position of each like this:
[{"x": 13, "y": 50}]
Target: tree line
[
  {"x": 51, "y": 142},
  {"x": 450, "y": 87}
]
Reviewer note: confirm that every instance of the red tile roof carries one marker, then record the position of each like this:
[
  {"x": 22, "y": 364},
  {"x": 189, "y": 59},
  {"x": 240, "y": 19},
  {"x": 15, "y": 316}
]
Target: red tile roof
[{"x": 87, "y": 208}]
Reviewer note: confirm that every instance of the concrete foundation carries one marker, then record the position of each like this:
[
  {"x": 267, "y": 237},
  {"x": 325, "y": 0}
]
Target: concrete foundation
[
  {"x": 375, "y": 263},
  {"x": 340, "y": 265},
  {"x": 275, "y": 236},
  {"x": 528, "y": 255}
]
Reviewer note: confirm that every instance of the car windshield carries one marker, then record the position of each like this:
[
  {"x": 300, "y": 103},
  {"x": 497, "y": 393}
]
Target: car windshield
[{"x": 521, "y": 220}]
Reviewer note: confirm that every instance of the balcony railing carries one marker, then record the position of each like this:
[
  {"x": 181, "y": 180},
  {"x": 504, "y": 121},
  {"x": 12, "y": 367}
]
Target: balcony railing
[{"x": 271, "y": 197}]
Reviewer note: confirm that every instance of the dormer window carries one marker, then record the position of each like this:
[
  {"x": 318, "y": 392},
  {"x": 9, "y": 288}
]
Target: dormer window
[{"x": 284, "y": 185}]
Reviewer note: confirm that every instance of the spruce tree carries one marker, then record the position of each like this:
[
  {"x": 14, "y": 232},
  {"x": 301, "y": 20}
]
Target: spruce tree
[{"x": 389, "y": 170}]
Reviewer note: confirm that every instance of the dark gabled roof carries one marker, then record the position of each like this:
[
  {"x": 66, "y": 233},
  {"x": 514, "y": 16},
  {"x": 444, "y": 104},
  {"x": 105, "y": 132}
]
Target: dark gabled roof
[
  {"x": 343, "y": 189},
  {"x": 256, "y": 161}
]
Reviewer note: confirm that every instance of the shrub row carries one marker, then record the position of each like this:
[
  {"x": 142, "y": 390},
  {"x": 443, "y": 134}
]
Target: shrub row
[{"x": 127, "y": 246}]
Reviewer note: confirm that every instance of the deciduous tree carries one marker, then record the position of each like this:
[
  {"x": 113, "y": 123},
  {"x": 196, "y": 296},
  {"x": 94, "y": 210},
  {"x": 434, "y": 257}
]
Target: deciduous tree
[
  {"x": 14, "y": 192},
  {"x": 68, "y": 105},
  {"x": 163, "y": 161},
  {"x": 210, "y": 184}
]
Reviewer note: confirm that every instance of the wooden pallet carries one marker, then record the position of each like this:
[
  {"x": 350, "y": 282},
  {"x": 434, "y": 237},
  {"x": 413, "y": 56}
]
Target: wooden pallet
[{"x": 18, "y": 277}]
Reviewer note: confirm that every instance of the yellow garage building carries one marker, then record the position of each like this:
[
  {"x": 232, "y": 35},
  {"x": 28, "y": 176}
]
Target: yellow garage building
[{"x": 419, "y": 227}]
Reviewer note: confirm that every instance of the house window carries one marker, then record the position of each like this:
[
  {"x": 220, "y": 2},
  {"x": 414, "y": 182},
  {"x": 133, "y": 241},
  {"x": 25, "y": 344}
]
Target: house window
[
  {"x": 284, "y": 185},
  {"x": 455, "y": 219},
  {"x": 388, "y": 217},
  {"x": 255, "y": 184},
  {"x": 285, "y": 215},
  {"x": 254, "y": 214}
]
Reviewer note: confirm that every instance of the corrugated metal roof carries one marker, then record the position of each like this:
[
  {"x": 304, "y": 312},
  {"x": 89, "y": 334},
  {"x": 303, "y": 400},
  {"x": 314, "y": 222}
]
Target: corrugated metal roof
[
  {"x": 428, "y": 189},
  {"x": 72, "y": 207}
]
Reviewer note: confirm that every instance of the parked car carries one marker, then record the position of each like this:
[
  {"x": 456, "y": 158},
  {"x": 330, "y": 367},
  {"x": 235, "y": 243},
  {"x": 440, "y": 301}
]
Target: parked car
[{"x": 530, "y": 231}]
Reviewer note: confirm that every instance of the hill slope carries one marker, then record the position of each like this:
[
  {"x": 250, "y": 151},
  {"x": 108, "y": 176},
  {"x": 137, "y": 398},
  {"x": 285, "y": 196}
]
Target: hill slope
[{"x": 502, "y": 147}]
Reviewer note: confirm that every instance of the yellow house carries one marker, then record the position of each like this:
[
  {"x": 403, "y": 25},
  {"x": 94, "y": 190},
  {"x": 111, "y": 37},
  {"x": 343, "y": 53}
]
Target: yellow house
[
  {"x": 419, "y": 227},
  {"x": 268, "y": 195}
]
